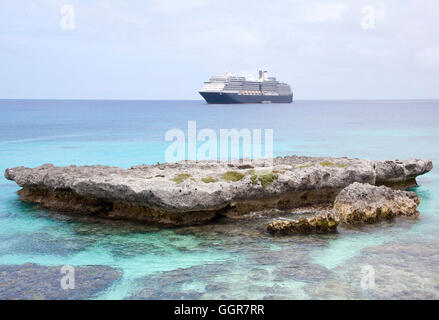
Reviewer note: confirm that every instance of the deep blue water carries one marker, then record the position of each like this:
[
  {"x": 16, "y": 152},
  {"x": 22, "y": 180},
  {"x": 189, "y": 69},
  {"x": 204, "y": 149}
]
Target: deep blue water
[{"x": 228, "y": 259}]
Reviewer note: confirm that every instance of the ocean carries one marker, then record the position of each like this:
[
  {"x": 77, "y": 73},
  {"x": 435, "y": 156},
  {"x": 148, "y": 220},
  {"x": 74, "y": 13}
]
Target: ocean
[{"x": 395, "y": 259}]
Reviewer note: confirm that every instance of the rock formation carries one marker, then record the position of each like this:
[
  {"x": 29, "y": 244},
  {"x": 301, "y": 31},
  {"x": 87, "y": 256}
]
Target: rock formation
[
  {"x": 364, "y": 203},
  {"x": 191, "y": 192},
  {"x": 320, "y": 223},
  {"x": 400, "y": 173},
  {"x": 32, "y": 281},
  {"x": 355, "y": 204}
]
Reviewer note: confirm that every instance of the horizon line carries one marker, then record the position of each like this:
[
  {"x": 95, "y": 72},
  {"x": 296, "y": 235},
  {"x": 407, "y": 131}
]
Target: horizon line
[{"x": 304, "y": 100}]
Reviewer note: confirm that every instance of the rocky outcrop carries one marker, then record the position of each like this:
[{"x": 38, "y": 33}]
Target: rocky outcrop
[
  {"x": 191, "y": 192},
  {"x": 400, "y": 173},
  {"x": 364, "y": 203},
  {"x": 320, "y": 223}
]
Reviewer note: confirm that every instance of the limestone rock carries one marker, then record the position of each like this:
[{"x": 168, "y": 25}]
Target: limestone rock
[
  {"x": 401, "y": 172},
  {"x": 360, "y": 203},
  {"x": 320, "y": 223},
  {"x": 192, "y": 192},
  {"x": 37, "y": 282}
]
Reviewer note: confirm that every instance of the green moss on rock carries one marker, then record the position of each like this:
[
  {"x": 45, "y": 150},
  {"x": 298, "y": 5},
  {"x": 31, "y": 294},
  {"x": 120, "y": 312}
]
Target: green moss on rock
[
  {"x": 331, "y": 164},
  {"x": 179, "y": 178},
  {"x": 306, "y": 165},
  {"x": 265, "y": 177},
  {"x": 233, "y": 176},
  {"x": 208, "y": 180}
]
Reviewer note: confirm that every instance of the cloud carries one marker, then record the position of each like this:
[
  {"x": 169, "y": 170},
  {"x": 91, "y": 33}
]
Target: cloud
[
  {"x": 428, "y": 58},
  {"x": 324, "y": 11},
  {"x": 174, "y": 7},
  {"x": 318, "y": 45}
]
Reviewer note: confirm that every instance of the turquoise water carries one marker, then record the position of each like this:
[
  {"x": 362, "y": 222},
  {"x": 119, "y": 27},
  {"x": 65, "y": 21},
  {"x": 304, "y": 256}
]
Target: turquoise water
[{"x": 227, "y": 259}]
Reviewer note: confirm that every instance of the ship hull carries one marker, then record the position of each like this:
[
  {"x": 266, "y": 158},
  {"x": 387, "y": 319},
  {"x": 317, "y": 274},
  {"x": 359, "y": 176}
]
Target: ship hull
[{"x": 231, "y": 98}]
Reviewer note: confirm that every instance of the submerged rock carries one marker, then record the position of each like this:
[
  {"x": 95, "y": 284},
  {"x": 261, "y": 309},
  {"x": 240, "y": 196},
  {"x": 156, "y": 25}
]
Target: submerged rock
[
  {"x": 402, "y": 271},
  {"x": 178, "y": 284},
  {"x": 320, "y": 223},
  {"x": 192, "y": 192},
  {"x": 36, "y": 282},
  {"x": 304, "y": 272},
  {"x": 360, "y": 203}
]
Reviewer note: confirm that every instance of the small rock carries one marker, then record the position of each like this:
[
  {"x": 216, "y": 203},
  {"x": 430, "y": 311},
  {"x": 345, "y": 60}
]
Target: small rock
[
  {"x": 32, "y": 281},
  {"x": 365, "y": 203},
  {"x": 320, "y": 223},
  {"x": 401, "y": 172}
]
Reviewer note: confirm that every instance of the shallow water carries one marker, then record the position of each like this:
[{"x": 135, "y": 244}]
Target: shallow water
[{"x": 225, "y": 259}]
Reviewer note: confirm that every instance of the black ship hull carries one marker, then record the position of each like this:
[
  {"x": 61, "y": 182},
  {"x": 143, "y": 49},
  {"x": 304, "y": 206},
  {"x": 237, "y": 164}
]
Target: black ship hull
[{"x": 229, "y": 98}]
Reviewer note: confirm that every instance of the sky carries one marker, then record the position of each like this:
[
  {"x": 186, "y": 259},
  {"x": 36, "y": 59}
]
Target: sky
[{"x": 166, "y": 49}]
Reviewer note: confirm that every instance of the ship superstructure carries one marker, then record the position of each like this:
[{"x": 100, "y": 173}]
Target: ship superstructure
[{"x": 238, "y": 89}]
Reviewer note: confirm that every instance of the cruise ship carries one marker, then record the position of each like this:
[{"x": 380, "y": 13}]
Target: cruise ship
[{"x": 237, "y": 89}]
